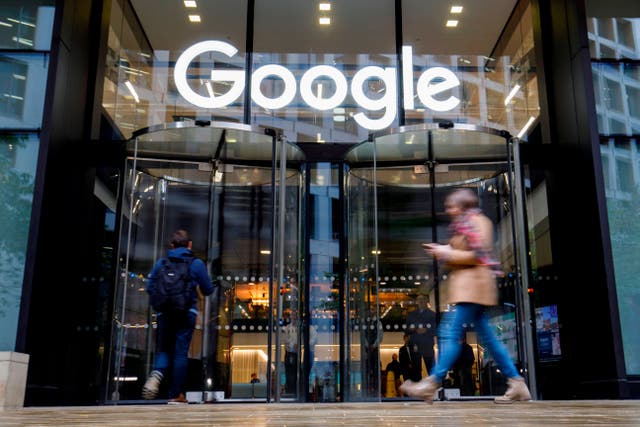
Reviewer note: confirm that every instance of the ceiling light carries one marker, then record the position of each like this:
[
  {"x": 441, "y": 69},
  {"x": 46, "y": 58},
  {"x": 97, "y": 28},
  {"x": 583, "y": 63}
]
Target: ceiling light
[
  {"x": 132, "y": 90},
  {"x": 324, "y": 6},
  {"x": 207, "y": 84},
  {"x": 452, "y": 23},
  {"x": 28, "y": 24},
  {"x": 513, "y": 92},
  {"x": 526, "y": 127},
  {"x": 194, "y": 18},
  {"x": 190, "y": 3},
  {"x": 456, "y": 9},
  {"x": 325, "y": 21}
]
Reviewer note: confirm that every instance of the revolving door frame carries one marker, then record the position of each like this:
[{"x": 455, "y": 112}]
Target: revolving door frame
[
  {"x": 511, "y": 157},
  {"x": 277, "y": 156}
]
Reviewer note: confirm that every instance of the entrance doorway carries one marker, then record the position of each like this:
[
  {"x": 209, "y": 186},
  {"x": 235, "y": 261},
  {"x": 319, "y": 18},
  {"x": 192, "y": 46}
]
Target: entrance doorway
[
  {"x": 236, "y": 190},
  {"x": 396, "y": 186}
]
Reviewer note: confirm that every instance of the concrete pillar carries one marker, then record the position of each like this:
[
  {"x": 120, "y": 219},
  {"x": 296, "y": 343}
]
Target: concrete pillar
[{"x": 13, "y": 379}]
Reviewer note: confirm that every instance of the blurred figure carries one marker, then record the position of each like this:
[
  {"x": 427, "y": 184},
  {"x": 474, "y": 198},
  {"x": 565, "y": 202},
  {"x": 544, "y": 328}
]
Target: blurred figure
[
  {"x": 463, "y": 369},
  {"x": 421, "y": 322},
  {"x": 254, "y": 378},
  {"x": 410, "y": 369},
  {"x": 393, "y": 369},
  {"x": 473, "y": 289}
]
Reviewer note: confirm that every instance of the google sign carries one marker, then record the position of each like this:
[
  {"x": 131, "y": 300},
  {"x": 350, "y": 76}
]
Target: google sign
[{"x": 431, "y": 82}]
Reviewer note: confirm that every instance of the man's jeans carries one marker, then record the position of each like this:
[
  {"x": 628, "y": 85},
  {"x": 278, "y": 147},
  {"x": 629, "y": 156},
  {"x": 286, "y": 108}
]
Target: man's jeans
[
  {"x": 450, "y": 342},
  {"x": 174, "y": 334}
]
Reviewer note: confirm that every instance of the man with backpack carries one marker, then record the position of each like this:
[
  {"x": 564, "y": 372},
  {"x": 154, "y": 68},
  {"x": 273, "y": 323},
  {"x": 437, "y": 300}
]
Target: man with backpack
[{"x": 172, "y": 288}]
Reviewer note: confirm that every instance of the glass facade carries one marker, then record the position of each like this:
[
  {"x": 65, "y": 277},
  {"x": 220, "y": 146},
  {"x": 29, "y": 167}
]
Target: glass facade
[
  {"x": 308, "y": 148},
  {"x": 614, "y": 44},
  {"x": 335, "y": 84},
  {"x": 316, "y": 278},
  {"x": 25, "y": 39}
]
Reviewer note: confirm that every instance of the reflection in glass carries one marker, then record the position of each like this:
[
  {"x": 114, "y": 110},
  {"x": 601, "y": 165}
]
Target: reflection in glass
[
  {"x": 18, "y": 159},
  {"x": 23, "y": 80},
  {"x": 139, "y": 88},
  {"x": 277, "y": 20},
  {"x": 619, "y": 157},
  {"x": 26, "y": 24}
]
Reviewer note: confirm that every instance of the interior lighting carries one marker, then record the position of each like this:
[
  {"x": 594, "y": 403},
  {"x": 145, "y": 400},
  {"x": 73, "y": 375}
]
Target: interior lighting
[
  {"x": 194, "y": 18},
  {"x": 23, "y": 41},
  {"x": 456, "y": 9},
  {"x": 28, "y": 24},
  {"x": 190, "y": 3},
  {"x": 4, "y": 24},
  {"x": 513, "y": 92},
  {"x": 324, "y": 21},
  {"x": 132, "y": 90},
  {"x": 207, "y": 84},
  {"x": 265, "y": 252},
  {"x": 526, "y": 127},
  {"x": 452, "y": 23},
  {"x": 324, "y": 6}
]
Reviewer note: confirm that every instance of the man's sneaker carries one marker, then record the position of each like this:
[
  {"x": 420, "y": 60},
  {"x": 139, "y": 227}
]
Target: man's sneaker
[
  {"x": 178, "y": 400},
  {"x": 424, "y": 389},
  {"x": 516, "y": 392},
  {"x": 151, "y": 387}
]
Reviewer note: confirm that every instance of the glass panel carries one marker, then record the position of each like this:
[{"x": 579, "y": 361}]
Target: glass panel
[
  {"x": 26, "y": 24},
  {"x": 614, "y": 38},
  {"x": 325, "y": 45},
  {"x": 617, "y": 98},
  {"x": 294, "y": 346},
  {"x": 406, "y": 210},
  {"x": 140, "y": 88},
  {"x": 364, "y": 333},
  {"x": 622, "y": 208},
  {"x": 18, "y": 160},
  {"x": 23, "y": 79},
  {"x": 498, "y": 81},
  {"x": 324, "y": 286}
]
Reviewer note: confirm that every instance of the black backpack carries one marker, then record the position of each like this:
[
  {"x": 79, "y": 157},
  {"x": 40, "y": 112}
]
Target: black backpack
[{"x": 173, "y": 291}]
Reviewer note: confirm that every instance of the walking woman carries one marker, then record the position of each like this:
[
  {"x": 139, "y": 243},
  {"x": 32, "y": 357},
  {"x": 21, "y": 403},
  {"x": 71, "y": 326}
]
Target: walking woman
[{"x": 472, "y": 289}]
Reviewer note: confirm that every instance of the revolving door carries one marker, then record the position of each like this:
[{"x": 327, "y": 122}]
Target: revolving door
[
  {"x": 395, "y": 190},
  {"x": 237, "y": 191}
]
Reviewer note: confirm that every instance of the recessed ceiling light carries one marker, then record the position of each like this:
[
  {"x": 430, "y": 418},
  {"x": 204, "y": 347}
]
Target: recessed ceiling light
[
  {"x": 452, "y": 23},
  {"x": 190, "y": 3},
  {"x": 196, "y": 18},
  {"x": 325, "y": 21},
  {"x": 324, "y": 6},
  {"x": 456, "y": 9}
]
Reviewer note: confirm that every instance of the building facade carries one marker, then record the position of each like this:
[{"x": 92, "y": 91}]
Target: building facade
[{"x": 308, "y": 149}]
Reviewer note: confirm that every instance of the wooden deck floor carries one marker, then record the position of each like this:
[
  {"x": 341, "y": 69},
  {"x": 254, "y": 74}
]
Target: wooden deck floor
[{"x": 539, "y": 413}]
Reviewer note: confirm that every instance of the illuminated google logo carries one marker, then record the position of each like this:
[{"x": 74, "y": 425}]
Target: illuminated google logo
[{"x": 431, "y": 82}]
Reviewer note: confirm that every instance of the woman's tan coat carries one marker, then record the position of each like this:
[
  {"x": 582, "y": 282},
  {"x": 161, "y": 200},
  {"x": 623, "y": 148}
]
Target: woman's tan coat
[{"x": 468, "y": 281}]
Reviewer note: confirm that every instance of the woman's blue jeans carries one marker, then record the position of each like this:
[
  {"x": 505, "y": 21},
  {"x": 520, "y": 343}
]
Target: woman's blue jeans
[
  {"x": 450, "y": 335},
  {"x": 175, "y": 331}
]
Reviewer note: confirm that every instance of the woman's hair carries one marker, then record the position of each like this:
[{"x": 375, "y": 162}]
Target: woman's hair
[
  {"x": 180, "y": 239},
  {"x": 464, "y": 198}
]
